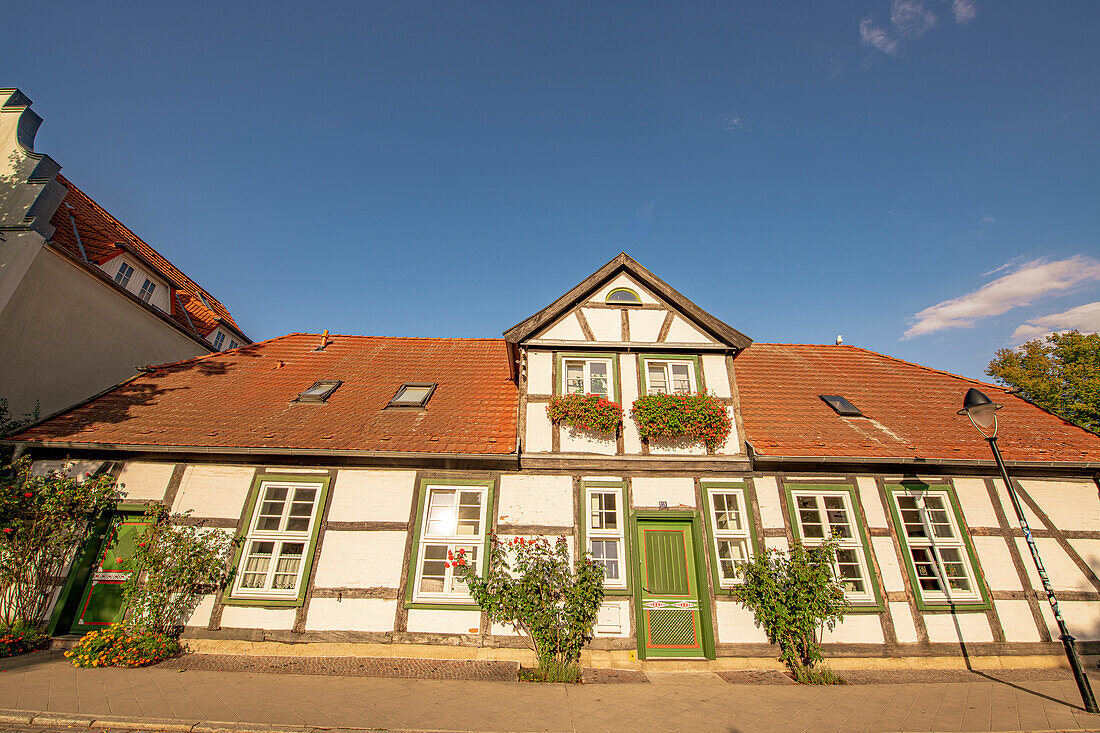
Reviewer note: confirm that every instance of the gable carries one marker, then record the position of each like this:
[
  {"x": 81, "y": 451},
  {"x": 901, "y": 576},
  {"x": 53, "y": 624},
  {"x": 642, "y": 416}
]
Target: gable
[{"x": 659, "y": 314}]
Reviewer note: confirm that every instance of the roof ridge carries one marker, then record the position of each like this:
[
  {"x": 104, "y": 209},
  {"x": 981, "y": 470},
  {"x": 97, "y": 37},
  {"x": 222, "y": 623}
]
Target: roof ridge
[{"x": 420, "y": 338}]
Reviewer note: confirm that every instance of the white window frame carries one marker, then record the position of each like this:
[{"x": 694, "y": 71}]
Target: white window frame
[
  {"x": 451, "y": 541},
  {"x": 934, "y": 544},
  {"x": 123, "y": 280},
  {"x": 617, "y": 535},
  {"x": 610, "y": 375},
  {"x": 743, "y": 535},
  {"x": 854, "y": 542},
  {"x": 147, "y": 295},
  {"x": 279, "y": 538},
  {"x": 218, "y": 340},
  {"x": 667, "y": 364}
]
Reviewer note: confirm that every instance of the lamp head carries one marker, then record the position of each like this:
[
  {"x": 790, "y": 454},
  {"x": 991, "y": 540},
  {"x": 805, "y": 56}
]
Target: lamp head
[{"x": 982, "y": 412}]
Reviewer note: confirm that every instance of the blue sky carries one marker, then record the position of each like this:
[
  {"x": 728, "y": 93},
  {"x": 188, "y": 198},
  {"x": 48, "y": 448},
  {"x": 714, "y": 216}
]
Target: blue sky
[{"x": 921, "y": 176}]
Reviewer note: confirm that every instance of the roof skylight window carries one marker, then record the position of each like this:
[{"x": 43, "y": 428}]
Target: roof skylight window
[
  {"x": 840, "y": 405},
  {"x": 413, "y": 394},
  {"x": 623, "y": 296},
  {"x": 320, "y": 391}
]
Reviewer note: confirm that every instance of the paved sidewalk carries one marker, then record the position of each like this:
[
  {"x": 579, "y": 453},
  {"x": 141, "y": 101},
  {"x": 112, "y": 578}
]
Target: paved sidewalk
[{"x": 194, "y": 699}]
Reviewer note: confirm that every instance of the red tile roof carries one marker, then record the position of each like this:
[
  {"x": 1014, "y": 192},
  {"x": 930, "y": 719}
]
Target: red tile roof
[
  {"x": 910, "y": 410},
  {"x": 99, "y": 232},
  {"x": 245, "y": 398}
]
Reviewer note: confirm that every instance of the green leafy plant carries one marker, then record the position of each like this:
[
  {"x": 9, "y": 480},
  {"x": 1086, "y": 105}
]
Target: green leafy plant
[
  {"x": 793, "y": 595},
  {"x": 44, "y": 520},
  {"x": 20, "y": 639},
  {"x": 121, "y": 645},
  {"x": 177, "y": 564},
  {"x": 586, "y": 411},
  {"x": 549, "y": 600},
  {"x": 695, "y": 417},
  {"x": 1060, "y": 373},
  {"x": 10, "y": 424}
]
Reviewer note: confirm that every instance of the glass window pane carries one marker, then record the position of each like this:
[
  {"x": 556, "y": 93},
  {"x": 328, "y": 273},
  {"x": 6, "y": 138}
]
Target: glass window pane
[
  {"x": 456, "y": 585},
  {"x": 411, "y": 395},
  {"x": 681, "y": 378},
  {"x": 657, "y": 380},
  {"x": 574, "y": 377}
]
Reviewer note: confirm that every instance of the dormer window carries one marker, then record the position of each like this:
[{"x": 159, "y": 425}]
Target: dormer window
[
  {"x": 413, "y": 394},
  {"x": 147, "y": 290},
  {"x": 320, "y": 391},
  {"x": 124, "y": 273},
  {"x": 841, "y": 406},
  {"x": 233, "y": 345},
  {"x": 219, "y": 339},
  {"x": 623, "y": 296}
]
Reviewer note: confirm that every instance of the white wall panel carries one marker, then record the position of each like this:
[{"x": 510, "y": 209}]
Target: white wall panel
[
  {"x": 768, "y": 496},
  {"x": 540, "y": 372},
  {"x": 539, "y": 437},
  {"x": 251, "y": 617},
  {"x": 361, "y": 559},
  {"x": 645, "y": 326},
  {"x": 200, "y": 616},
  {"x": 534, "y": 499},
  {"x": 351, "y": 614},
  {"x": 1069, "y": 504},
  {"x": 574, "y": 440},
  {"x": 856, "y": 628},
  {"x": 567, "y": 329},
  {"x": 444, "y": 622},
  {"x": 214, "y": 491},
  {"x": 904, "y": 628},
  {"x": 649, "y": 492},
  {"x": 1017, "y": 621},
  {"x": 872, "y": 504},
  {"x": 716, "y": 375},
  {"x": 947, "y": 627},
  {"x": 1062, "y": 571},
  {"x": 683, "y": 332},
  {"x": 372, "y": 496},
  {"x": 736, "y": 624},
  {"x": 606, "y": 325},
  {"x": 613, "y": 619},
  {"x": 974, "y": 502},
  {"x": 140, "y": 480},
  {"x": 622, "y": 281},
  {"x": 993, "y": 554},
  {"x": 732, "y": 446},
  {"x": 889, "y": 568}
]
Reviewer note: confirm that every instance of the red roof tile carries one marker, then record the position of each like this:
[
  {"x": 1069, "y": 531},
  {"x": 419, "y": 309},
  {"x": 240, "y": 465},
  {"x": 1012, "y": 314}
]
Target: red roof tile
[
  {"x": 99, "y": 232},
  {"x": 910, "y": 410},
  {"x": 245, "y": 398}
]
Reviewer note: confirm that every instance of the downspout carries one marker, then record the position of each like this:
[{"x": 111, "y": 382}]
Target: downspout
[
  {"x": 77, "y": 235},
  {"x": 184, "y": 310}
]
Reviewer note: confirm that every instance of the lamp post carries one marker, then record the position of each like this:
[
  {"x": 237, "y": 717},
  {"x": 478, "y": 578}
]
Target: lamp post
[{"x": 983, "y": 415}]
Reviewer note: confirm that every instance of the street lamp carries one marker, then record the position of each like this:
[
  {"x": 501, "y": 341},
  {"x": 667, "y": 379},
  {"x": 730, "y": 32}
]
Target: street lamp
[{"x": 983, "y": 414}]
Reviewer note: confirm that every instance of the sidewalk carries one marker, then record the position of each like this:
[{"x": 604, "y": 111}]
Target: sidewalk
[{"x": 182, "y": 700}]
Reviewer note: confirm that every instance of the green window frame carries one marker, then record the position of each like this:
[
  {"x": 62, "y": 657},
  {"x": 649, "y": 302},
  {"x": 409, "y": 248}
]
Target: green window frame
[
  {"x": 695, "y": 373},
  {"x": 426, "y": 539},
  {"x": 612, "y": 360},
  {"x": 282, "y": 536},
  {"x": 618, "y": 536},
  {"x": 745, "y": 536},
  {"x": 854, "y": 550},
  {"x": 932, "y": 533}
]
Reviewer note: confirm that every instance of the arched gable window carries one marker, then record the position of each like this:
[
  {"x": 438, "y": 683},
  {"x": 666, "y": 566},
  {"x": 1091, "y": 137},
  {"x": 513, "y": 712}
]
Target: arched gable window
[{"x": 623, "y": 295}]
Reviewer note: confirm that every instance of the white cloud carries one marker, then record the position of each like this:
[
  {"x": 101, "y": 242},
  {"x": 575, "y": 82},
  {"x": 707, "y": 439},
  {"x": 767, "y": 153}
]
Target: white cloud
[
  {"x": 910, "y": 18},
  {"x": 1085, "y": 318},
  {"x": 1030, "y": 282},
  {"x": 876, "y": 37},
  {"x": 964, "y": 10},
  {"x": 734, "y": 123},
  {"x": 987, "y": 220}
]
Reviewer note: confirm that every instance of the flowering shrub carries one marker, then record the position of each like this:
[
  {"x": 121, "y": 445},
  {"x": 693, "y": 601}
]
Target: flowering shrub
[
  {"x": 551, "y": 602},
  {"x": 20, "y": 639},
  {"x": 586, "y": 411},
  {"x": 120, "y": 645},
  {"x": 176, "y": 565},
  {"x": 697, "y": 417},
  {"x": 44, "y": 520}
]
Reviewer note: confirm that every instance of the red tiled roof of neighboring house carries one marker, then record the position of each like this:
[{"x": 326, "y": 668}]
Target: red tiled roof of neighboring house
[
  {"x": 910, "y": 410},
  {"x": 245, "y": 398},
  {"x": 99, "y": 232}
]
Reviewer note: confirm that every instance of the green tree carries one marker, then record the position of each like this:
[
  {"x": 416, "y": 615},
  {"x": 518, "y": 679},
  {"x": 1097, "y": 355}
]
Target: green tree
[
  {"x": 794, "y": 595},
  {"x": 1060, "y": 373}
]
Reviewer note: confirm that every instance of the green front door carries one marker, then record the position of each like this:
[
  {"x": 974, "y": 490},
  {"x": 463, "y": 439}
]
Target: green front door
[
  {"x": 100, "y": 599},
  {"x": 669, "y": 594}
]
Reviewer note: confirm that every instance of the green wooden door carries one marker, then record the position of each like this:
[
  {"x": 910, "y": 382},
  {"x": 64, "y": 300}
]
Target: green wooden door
[
  {"x": 672, "y": 623},
  {"x": 101, "y": 598}
]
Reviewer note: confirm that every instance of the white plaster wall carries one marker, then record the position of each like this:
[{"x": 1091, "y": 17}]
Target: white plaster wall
[
  {"x": 444, "y": 622},
  {"x": 777, "y": 543},
  {"x": 628, "y": 373},
  {"x": 1062, "y": 571},
  {"x": 141, "y": 480},
  {"x": 214, "y": 491},
  {"x": 649, "y": 492},
  {"x": 732, "y": 446},
  {"x": 540, "y": 372},
  {"x": 1082, "y": 619},
  {"x": 945, "y": 627},
  {"x": 1089, "y": 550},
  {"x": 889, "y": 568},
  {"x": 201, "y": 615},
  {"x": 993, "y": 554},
  {"x": 584, "y": 441},
  {"x": 539, "y": 438},
  {"x": 716, "y": 375},
  {"x": 622, "y": 281},
  {"x": 856, "y": 628},
  {"x": 76, "y": 470},
  {"x": 767, "y": 495},
  {"x": 974, "y": 502},
  {"x": 361, "y": 560},
  {"x": 1010, "y": 513},
  {"x": 661, "y": 447},
  {"x": 503, "y": 630},
  {"x": 606, "y": 325},
  {"x": 683, "y": 332},
  {"x": 567, "y": 329},
  {"x": 372, "y": 496},
  {"x": 736, "y": 624},
  {"x": 613, "y": 619},
  {"x": 1016, "y": 620},
  {"x": 872, "y": 504},
  {"x": 534, "y": 499},
  {"x": 1069, "y": 504},
  {"x": 904, "y": 627},
  {"x": 645, "y": 326},
  {"x": 252, "y": 617},
  {"x": 351, "y": 614}
]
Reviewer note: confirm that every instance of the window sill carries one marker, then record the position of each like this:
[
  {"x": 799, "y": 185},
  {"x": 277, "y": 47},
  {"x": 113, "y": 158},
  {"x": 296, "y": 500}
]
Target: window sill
[
  {"x": 953, "y": 607},
  {"x": 264, "y": 602},
  {"x": 440, "y": 606}
]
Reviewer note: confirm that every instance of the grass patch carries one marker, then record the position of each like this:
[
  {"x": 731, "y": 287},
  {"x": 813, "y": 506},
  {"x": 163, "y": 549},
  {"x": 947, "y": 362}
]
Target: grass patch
[
  {"x": 819, "y": 675},
  {"x": 569, "y": 673}
]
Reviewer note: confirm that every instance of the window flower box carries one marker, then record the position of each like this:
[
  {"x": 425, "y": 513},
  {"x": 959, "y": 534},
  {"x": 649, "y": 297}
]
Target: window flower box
[
  {"x": 586, "y": 412},
  {"x": 698, "y": 417}
]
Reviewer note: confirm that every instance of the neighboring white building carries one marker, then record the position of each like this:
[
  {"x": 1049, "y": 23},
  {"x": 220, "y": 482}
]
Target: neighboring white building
[
  {"x": 352, "y": 465},
  {"x": 83, "y": 300}
]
